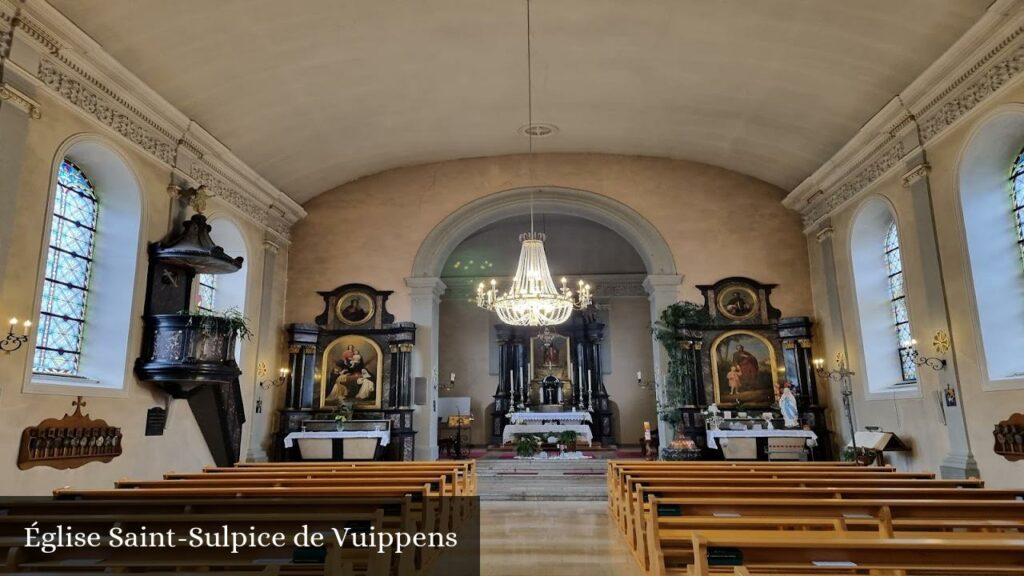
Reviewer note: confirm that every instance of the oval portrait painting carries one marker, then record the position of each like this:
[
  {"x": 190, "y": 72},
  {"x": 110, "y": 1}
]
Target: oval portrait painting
[{"x": 354, "y": 308}]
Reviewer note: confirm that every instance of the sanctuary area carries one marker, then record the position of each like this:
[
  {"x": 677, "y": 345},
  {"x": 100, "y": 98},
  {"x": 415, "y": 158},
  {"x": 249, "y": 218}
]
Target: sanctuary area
[{"x": 596, "y": 287}]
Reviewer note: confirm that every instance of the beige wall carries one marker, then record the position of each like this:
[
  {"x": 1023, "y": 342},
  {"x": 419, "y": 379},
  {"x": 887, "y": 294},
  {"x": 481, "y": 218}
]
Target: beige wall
[
  {"x": 717, "y": 223},
  {"x": 182, "y": 446},
  {"x": 465, "y": 339},
  {"x": 918, "y": 419}
]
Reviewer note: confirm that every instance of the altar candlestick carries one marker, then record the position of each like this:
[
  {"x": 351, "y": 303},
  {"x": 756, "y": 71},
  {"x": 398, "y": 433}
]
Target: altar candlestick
[
  {"x": 590, "y": 391},
  {"x": 512, "y": 386}
]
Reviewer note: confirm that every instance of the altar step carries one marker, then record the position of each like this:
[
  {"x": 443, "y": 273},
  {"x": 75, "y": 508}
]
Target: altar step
[{"x": 542, "y": 480}]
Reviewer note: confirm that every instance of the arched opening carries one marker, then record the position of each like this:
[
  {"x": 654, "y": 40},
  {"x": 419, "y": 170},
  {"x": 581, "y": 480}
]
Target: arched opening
[
  {"x": 103, "y": 367},
  {"x": 660, "y": 279},
  {"x": 467, "y": 333},
  {"x": 991, "y": 237}
]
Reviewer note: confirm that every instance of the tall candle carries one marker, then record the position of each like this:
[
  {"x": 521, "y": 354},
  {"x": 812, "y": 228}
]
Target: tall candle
[
  {"x": 590, "y": 390},
  {"x": 512, "y": 385}
]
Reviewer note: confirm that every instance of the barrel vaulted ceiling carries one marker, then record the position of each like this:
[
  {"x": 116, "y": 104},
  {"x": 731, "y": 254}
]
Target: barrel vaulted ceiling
[{"x": 315, "y": 93}]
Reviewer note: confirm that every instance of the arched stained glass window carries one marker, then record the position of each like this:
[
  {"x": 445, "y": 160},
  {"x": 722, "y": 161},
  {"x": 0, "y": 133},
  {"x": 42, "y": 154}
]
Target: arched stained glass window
[
  {"x": 898, "y": 300},
  {"x": 1017, "y": 199},
  {"x": 68, "y": 265},
  {"x": 207, "y": 295}
]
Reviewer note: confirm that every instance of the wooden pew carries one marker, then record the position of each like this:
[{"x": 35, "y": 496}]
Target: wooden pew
[
  {"x": 636, "y": 518},
  {"x": 894, "y": 555},
  {"x": 671, "y": 522},
  {"x": 466, "y": 469}
]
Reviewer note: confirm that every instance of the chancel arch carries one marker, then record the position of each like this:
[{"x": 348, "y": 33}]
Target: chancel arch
[{"x": 661, "y": 280}]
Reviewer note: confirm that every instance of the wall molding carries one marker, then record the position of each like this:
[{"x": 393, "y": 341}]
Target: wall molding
[
  {"x": 49, "y": 51},
  {"x": 985, "y": 60}
]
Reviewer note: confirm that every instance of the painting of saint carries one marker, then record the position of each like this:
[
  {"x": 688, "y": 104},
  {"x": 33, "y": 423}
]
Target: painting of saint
[
  {"x": 354, "y": 308},
  {"x": 549, "y": 356},
  {"x": 737, "y": 302},
  {"x": 352, "y": 367},
  {"x": 744, "y": 369}
]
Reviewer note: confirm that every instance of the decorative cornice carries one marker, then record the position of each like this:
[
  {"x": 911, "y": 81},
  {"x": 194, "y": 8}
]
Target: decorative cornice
[
  {"x": 986, "y": 59},
  {"x": 19, "y": 100},
  {"x": 77, "y": 70},
  {"x": 915, "y": 174}
]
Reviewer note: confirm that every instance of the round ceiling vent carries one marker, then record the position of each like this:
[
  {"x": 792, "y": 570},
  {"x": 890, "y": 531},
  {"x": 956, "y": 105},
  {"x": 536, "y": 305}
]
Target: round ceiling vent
[{"x": 538, "y": 129}]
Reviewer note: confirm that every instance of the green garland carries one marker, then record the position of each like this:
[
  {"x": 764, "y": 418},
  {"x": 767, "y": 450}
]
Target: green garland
[
  {"x": 230, "y": 320},
  {"x": 666, "y": 331}
]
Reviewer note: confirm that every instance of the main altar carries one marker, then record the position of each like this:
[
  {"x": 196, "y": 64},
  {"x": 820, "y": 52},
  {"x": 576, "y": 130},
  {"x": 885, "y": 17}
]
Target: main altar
[{"x": 550, "y": 380}]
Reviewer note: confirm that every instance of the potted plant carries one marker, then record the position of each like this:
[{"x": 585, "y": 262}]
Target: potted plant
[
  {"x": 342, "y": 413},
  {"x": 527, "y": 445},
  {"x": 569, "y": 439},
  {"x": 862, "y": 456},
  {"x": 674, "y": 320}
]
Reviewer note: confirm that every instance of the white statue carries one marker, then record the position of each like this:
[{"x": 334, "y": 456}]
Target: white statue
[{"x": 787, "y": 405}]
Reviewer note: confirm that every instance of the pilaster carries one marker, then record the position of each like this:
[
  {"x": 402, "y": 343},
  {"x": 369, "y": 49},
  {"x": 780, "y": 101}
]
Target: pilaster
[
  {"x": 662, "y": 292},
  {"x": 425, "y": 298}
]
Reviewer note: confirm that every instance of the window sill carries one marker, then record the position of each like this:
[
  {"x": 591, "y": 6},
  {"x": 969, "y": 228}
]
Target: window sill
[
  {"x": 1013, "y": 382},
  {"x": 59, "y": 385},
  {"x": 896, "y": 391}
]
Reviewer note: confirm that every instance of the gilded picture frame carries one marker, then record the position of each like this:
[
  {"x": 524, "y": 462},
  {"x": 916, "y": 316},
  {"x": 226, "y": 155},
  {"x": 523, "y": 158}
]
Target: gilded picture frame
[
  {"x": 549, "y": 356},
  {"x": 737, "y": 302},
  {"x": 744, "y": 367},
  {"x": 352, "y": 369},
  {"x": 354, "y": 307}
]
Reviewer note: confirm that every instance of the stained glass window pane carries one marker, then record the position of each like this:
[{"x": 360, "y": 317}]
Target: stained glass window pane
[
  {"x": 1017, "y": 199},
  {"x": 207, "y": 295},
  {"x": 66, "y": 282},
  {"x": 898, "y": 300}
]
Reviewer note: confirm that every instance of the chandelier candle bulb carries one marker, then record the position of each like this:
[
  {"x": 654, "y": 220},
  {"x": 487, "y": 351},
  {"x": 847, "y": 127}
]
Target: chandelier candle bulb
[{"x": 27, "y": 325}]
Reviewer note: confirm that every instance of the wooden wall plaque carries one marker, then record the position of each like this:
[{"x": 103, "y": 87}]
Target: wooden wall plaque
[{"x": 69, "y": 442}]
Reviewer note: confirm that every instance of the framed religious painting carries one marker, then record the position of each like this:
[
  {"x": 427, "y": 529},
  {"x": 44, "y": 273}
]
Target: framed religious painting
[
  {"x": 354, "y": 307},
  {"x": 744, "y": 369},
  {"x": 351, "y": 371},
  {"x": 549, "y": 356},
  {"x": 737, "y": 302}
]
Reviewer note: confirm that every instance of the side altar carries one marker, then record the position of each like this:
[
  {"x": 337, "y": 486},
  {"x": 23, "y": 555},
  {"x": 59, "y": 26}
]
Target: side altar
[
  {"x": 551, "y": 380},
  {"x": 355, "y": 355},
  {"x": 739, "y": 354}
]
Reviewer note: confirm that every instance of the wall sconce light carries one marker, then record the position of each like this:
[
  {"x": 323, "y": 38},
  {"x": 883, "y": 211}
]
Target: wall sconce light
[
  {"x": 645, "y": 385},
  {"x": 941, "y": 345},
  {"x": 282, "y": 379},
  {"x": 450, "y": 385},
  {"x": 12, "y": 341}
]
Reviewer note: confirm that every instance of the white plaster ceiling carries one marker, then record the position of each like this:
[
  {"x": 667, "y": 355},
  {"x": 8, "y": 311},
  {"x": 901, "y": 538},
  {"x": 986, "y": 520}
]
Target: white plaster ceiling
[{"x": 315, "y": 93}]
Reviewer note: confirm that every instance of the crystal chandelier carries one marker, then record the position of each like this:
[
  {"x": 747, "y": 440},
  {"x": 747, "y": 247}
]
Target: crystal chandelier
[{"x": 533, "y": 299}]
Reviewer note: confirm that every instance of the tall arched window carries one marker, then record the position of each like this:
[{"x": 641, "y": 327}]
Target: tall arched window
[
  {"x": 898, "y": 300},
  {"x": 883, "y": 313},
  {"x": 993, "y": 217},
  {"x": 1017, "y": 199},
  {"x": 68, "y": 269}
]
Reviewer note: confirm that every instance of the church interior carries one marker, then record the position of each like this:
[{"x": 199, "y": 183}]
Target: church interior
[{"x": 600, "y": 287}]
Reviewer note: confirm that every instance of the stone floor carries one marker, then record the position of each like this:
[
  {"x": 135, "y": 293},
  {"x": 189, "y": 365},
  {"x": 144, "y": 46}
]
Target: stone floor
[
  {"x": 556, "y": 538},
  {"x": 548, "y": 518}
]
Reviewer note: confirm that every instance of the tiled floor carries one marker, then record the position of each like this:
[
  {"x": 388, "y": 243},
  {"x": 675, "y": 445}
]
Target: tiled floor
[{"x": 551, "y": 538}]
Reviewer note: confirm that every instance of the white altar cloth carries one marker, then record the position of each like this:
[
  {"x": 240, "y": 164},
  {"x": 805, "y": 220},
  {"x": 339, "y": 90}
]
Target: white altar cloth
[
  {"x": 562, "y": 417},
  {"x": 812, "y": 438},
  {"x": 384, "y": 435},
  {"x": 511, "y": 430}
]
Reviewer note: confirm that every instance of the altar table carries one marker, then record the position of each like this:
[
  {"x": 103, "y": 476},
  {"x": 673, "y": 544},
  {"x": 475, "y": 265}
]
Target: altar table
[
  {"x": 540, "y": 417},
  {"x": 509, "y": 434},
  {"x": 339, "y": 444},
  {"x": 812, "y": 438}
]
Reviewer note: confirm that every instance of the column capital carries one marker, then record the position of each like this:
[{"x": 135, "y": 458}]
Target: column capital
[
  {"x": 661, "y": 283},
  {"x": 916, "y": 173},
  {"x": 20, "y": 100},
  {"x": 824, "y": 233},
  {"x": 425, "y": 287},
  {"x": 271, "y": 247}
]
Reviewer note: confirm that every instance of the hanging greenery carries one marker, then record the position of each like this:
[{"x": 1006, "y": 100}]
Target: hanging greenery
[
  {"x": 680, "y": 370},
  {"x": 230, "y": 320}
]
